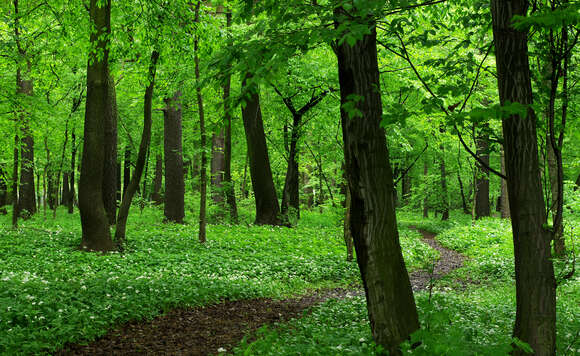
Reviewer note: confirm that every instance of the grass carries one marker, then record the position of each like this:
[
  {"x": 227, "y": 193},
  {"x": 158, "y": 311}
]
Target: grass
[
  {"x": 476, "y": 320},
  {"x": 51, "y": 293}
]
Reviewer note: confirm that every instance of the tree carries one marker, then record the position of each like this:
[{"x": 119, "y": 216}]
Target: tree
[
  {"x": 95, "y": 225},
  {"x": 392, "y": 311},
  {"x": 535, "y": 283},
  {"x": 174, "y": 209},
  {"x": 267, "y": 208},
  {"x": 481, "y": 201}
]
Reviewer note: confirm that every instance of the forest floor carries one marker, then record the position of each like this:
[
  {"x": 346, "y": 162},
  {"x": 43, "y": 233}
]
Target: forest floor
[{"x": 219, "y": 327}]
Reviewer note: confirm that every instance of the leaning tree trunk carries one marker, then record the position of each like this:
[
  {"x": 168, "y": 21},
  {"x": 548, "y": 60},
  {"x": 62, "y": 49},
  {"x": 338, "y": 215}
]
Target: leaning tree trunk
[
  {"x": 121, "y": 226},
  {"x": 110, "y": 162},
  {"x": 482, "y": 207},
  {"x": 267, "y": 209},
  {"x": 95, "y": 224},
  {"x": 535, "y": 283},
  {"x": 174, "y": 184},
  {"x": 392, "y": 311}
]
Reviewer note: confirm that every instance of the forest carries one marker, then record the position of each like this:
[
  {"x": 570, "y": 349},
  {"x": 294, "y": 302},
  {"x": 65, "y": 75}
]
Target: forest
[{"x": 291, "y": 177}]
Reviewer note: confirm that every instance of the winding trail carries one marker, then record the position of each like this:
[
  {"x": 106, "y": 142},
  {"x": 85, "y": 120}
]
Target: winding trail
[
  {"x": 210, "y": 329},
  {"x": 449, "y": 260}
]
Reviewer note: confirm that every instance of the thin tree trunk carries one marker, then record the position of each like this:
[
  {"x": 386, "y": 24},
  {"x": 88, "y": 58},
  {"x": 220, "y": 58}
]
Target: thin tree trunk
[
  {"x": 425, "y": 200},
  {"x": 121, "y": 226},
  {"x": 243, "y": 188},
  {"x": 15, "y": 164},
  {"x": 3, "y": 190},
  {"x": 444, "y": 192},
  {"x": 94, "y": 221},
  {"x": 505, "y": 203},
  {"x": 173, "y": 153},
  {"x": 72, "y": 174},
  {"x": 482, "y": 206},
  {"x": 535, "y": 282},
  {"x": 347, "y": 233},
  {"x": 144, "y": 193},
  {"x": 158, "y": 181},
  {"x": 65, "y": 189},
  {"x": 217, "y": 171},
  {"x": 126, "y": 169},
  {"x": 267, "y": 208},
  {"x": 203, "y": 176},
  {"x": 392, "y": 311},
  {"x": 230, "y": 191}
]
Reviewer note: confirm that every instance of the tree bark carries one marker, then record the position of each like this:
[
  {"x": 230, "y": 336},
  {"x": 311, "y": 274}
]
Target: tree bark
[
  {"x": 347, "y": 233},
  {"x": 120, "y": 229},
  {"x": 535, "y": 283},
  {"x": 482, "y": 206},
  {"x": 94, "y": 221},
  {"x": 65, "y": 189},
  {"x": 505, "y": 203},
  {"x": 267, "y": 209},
  {"x": 27, "y": 196},
  {"x": 110, "y": 161},
  {"x": 392, "y": 311},
  {"x": 174, "y": 184},
  {"x": 72, "y": 174},
  {"x": 203, "y": 176}
]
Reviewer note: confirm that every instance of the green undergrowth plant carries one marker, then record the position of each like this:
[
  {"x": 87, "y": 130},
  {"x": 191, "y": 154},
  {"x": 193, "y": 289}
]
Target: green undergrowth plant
[
  {"x": 51, "y": 293},
  {"x": 476, "y": 321}
]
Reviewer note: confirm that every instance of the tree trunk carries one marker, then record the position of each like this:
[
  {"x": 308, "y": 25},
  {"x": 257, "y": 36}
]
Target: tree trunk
[
  {"x": 505, "y": 203},
  {"x": 174, "y": 184},
  {"x": 267, "y": 209},
  {"x": 217, "y": 170},
  {"x": 290, "y": 194},
  {"x": 482, "y": 206},
  {"x": 203, "y": 176},
  {"x": 126, "y": 169},
  {"x": 425, "y": 200},
  {"x": 27, "y": 196},
  {"x": 347, "y": 234},
  {"x": 3, "y": 190},
  {"x": 444, "y": 193},
  {"x": 110, "y": 162},
  {"x": 65, "y": 189},
  {"x": 229, "y": 183},
  {"x": 72, "y": 174},
  {"x": 95, "y": 224},
  {"x": 535, "y": 283},
  {"x": 15, "y": 163},
  {"x": 120, "y": 228},
  {"x": 157, "y": 181},
  {"x": 392, "y": 311}
]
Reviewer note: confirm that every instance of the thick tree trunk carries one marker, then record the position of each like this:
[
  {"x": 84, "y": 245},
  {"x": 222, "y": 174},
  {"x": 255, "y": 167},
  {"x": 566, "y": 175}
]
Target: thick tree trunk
[
  {"x": 174, "y": 184},
  {"x": 158, "y": 181},
  {"x": 392, "y": 312},
  {"x": 267, "y": 209},
  {"x": 229, "y": 183},
  {"x": 121, "y": 226},
  {"x": 95, "y": 224},
  {"x": 203, "y": 176},
  {"x": 535, "y": 283},
  {"x": 482, "y": 207},
  {"x": 110, "y": 162}
]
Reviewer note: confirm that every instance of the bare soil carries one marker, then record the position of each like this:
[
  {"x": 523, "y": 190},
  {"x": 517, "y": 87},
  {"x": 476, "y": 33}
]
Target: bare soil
[{"x": 210, "y": 329}]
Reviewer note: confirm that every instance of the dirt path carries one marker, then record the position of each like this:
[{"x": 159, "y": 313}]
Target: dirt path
[
  {"x": 201, "y": 331},
  {"x": 210, "y": 329},
  {"x": 449, "y": 260}
]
